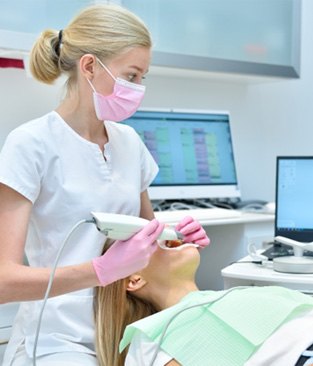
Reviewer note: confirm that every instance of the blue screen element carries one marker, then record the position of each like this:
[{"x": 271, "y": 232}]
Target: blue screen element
[
  {"x": 294, "y": 194},
  {"x": 190, "y": 148}
]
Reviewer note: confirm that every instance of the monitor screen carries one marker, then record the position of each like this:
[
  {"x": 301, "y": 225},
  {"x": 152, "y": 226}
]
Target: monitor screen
[
  {"x": 193, "y": 150},
  {"x": 294, "y": 198}
]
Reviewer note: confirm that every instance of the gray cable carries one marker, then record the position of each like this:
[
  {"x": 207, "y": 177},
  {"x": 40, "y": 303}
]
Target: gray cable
[
  {"x": 201, "y": 202},
  {"x": 181, "y": 206},
  {"x": 189, "y": 307},
  {"x": 54, "y": 267}
]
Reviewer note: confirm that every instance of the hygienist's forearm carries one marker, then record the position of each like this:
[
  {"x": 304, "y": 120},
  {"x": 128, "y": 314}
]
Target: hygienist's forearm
[{"x": 22, "y": 283}]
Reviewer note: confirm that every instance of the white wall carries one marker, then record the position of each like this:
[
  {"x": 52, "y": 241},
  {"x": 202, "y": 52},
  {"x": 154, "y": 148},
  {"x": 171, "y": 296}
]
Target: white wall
[
  {"x": 22, "y": 98},
  {"x": 268, "y": 118},
  {"x": 283, "y": 113}
]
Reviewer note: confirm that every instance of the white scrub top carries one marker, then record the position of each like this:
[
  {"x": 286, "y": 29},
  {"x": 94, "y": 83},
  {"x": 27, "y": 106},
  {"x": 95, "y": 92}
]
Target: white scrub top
[
  {"x": 66, "y": 177},
  {"x": 142, "y": 351}
]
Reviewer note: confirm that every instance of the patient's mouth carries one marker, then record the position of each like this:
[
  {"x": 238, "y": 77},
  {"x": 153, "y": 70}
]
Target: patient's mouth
[
  {"x": 176, "y": 244},
  {"x": 173, "y": 243}
]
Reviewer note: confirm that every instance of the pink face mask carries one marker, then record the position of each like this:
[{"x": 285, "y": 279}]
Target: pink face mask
[{"x": 122, "y": 103}]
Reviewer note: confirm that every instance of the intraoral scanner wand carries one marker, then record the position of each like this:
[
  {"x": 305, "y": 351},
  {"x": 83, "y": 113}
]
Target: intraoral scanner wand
[{"x": 122, "y": 227}]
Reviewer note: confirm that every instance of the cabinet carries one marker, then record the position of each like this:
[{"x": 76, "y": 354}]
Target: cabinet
[
  {"x": 22, "y": 21},
  {"x": 252, "y": 37},
  {"x": 250, "y": 274},
  {"x": 260, "y": 37}
]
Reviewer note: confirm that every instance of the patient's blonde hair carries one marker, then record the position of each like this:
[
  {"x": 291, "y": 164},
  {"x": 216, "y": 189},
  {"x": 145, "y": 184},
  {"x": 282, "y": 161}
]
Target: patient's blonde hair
[
  {"x": 102, "y": 30},
  {"x": 115, "y": 308}
]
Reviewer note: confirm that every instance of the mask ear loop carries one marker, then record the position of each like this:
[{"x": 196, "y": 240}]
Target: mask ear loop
[
  {"x": 134, "y": 86},
  {"x": 106, "y": 69},
  {"x": 92, "y": 87}
]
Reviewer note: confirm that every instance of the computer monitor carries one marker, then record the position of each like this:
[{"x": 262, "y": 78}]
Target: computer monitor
[
  {"x": 294, "y": 198},
  {"x": 193, "y": 150}
]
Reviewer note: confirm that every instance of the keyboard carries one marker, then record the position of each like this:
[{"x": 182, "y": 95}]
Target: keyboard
[{"x": 198, "y": 214}]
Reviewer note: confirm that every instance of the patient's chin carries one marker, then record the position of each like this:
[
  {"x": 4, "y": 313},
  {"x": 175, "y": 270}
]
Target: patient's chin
[
  {"x": 189, "y": 255},
  {"x": 170, "y": 259}
]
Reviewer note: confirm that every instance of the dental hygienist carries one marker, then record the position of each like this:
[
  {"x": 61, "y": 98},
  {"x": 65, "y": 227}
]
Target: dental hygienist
[{"x": 56, "y": 169}]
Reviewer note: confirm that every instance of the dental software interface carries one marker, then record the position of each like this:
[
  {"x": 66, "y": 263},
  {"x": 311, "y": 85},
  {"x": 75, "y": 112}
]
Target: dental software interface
[
  {"x": 295, "y": 197},
  {"x": 191, "y": 149}
]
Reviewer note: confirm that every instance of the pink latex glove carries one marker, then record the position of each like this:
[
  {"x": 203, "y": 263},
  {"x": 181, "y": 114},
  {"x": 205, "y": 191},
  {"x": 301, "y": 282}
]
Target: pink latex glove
[
  {"x": 126, "y": 257},
  {"x": 193, "y": 232}
]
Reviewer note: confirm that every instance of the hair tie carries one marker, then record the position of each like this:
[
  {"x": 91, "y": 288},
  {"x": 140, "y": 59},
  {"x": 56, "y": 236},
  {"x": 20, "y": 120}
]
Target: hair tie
[{"x": 58, "y": 45}]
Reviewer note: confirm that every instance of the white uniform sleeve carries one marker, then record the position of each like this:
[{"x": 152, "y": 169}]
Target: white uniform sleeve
[
  {"x": 20, "y": 164},
  {"x": 142, "y": 350}
]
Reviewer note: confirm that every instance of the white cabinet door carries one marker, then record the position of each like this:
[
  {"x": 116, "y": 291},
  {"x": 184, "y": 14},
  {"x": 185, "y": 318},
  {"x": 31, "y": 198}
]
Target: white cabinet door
[
  {"x": 247, "y": 36},
  {"x": 21, "y": 21}
]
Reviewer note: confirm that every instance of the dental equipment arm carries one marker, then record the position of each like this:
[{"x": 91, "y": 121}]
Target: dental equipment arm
[
  {"x": 297, "y": 263},
  {"x": 298, "y": 247}
]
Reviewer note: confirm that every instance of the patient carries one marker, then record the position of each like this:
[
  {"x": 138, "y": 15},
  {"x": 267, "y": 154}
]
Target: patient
[{"x": 268, "y": 326}]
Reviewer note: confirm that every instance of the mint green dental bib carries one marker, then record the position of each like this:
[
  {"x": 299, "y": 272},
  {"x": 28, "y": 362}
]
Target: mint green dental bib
[{"x": 226, "y": 332}]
